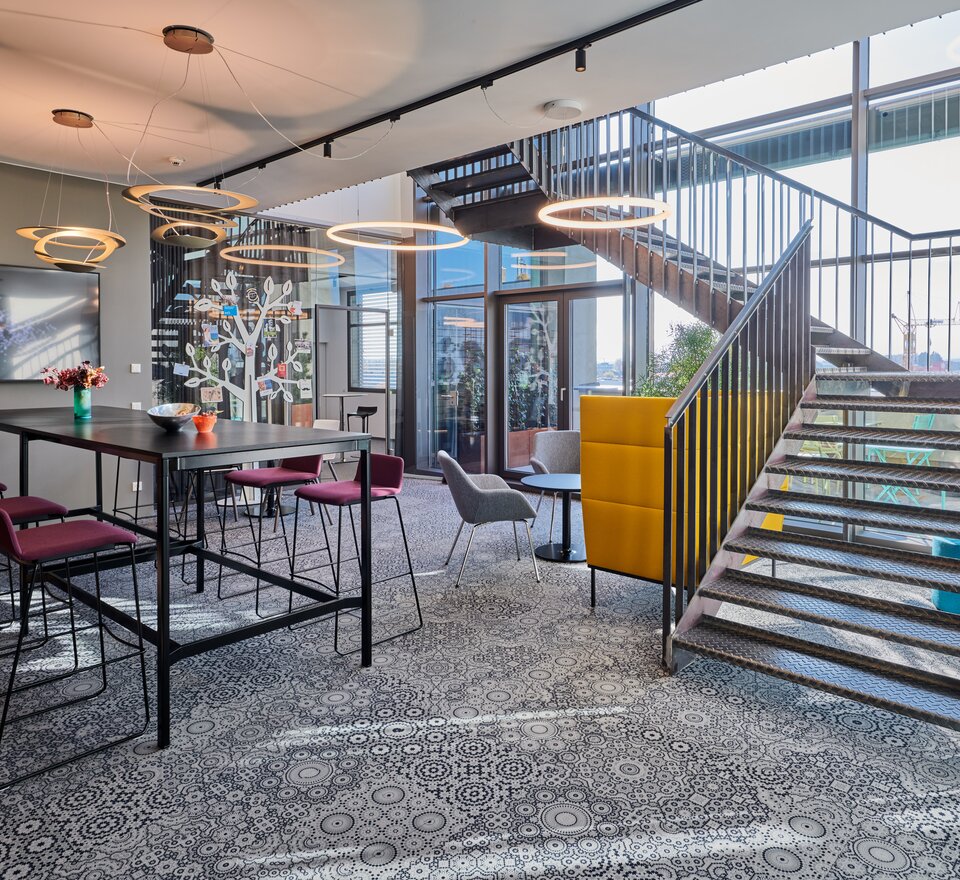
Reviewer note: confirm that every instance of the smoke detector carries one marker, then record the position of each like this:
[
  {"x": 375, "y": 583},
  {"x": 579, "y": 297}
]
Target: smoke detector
[
  {"x": 563, "y": 108},
  {"x": 176, "y": 161}
]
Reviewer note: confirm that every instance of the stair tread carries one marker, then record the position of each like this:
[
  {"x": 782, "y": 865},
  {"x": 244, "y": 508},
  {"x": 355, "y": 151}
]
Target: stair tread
[
  {"x": 892, "y": 376},
  {"x": 910, "y": 476},
  {"x": 896, "y": 517},
  {"x": 901, "y": 566},
  {"x": 875, "y": 436},
  {"x": 841, "y": 349},
  {"x": 928, "y": 629},
  {"x": 884, "y": 685},
  {"x": 883, "y": 404}
]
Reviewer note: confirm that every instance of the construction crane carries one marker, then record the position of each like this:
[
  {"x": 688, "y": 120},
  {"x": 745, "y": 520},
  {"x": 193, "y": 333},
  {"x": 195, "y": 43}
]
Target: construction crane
[{"x": 909, "y": 330}]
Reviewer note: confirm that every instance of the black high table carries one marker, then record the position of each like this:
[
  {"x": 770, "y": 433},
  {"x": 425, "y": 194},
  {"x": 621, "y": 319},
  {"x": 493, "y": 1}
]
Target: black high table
[
  {"x": 566, "y": 485},
  {"x": 131, "y": 435}
]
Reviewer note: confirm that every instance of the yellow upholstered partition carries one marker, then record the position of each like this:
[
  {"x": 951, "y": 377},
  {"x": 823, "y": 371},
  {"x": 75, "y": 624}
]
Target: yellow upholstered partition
[{"x": 621, "y": 463}]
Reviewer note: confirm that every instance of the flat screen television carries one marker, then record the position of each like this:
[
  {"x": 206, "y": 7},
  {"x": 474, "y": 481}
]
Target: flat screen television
[{"x": 48, "y": 318}]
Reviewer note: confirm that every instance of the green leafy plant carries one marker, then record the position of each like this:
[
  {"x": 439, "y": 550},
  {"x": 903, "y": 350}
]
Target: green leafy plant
[{"x": 673, "y": 366}]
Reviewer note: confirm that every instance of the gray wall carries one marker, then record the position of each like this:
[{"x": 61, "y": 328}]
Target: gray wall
[{"x": 57, "y": 472}]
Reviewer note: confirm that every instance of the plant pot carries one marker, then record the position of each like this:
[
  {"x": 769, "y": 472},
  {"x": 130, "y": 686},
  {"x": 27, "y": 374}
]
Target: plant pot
[
  {"x": 204, "y": 423},
  {"x": 83, "y": 404}
]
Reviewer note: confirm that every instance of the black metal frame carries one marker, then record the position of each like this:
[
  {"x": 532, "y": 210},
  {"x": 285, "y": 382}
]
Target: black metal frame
[
  {"x": 38, "y": 576},
  {"x": 169, "y": 650},
  {"x": 723, "y": 428}
]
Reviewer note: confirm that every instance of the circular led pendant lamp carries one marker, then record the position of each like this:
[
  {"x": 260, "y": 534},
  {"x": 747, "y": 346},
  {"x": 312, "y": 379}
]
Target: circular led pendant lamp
[
  {"x": 177, "y": 233},
  {"x": 61, "y": 245},
  {"x": 143, "y": 195},
  {"x": 231, "y": 254},
  {"x": 335, "y": 233},
  {"x": 549, "y": 213},
  {"x": 98, "y": 243},
  {"x": 541, "y": 266}
]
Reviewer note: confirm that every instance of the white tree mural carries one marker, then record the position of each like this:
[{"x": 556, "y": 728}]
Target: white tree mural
[{"x": 240, "y": 320}]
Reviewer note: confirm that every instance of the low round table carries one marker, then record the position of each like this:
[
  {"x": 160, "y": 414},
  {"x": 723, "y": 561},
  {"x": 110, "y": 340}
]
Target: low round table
[{"x": 566, "y": 485}]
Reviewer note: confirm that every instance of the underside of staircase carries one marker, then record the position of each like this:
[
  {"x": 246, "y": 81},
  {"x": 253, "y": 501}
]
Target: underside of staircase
[{"x": 863, "y": 483}]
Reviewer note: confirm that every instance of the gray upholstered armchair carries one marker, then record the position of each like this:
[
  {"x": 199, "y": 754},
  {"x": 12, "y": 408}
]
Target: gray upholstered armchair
[
  {"x": 483, "y": 499},
  {"x": 555, "y": 452}
]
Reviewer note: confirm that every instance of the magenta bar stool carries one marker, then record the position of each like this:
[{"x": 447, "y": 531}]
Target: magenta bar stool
[
  {"x": 386, "y": 482},
  {"x": 33, "y": 549},
  {"x": 23, "y": 510},
  {"x": 290, "y": 472}
]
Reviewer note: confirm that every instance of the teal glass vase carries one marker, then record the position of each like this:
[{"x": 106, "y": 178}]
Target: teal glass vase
[{"x": 83, "y": 404}]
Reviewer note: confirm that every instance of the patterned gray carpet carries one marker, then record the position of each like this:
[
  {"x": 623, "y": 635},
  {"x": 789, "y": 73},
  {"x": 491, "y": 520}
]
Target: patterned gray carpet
[{"x": 518, "y": 734}]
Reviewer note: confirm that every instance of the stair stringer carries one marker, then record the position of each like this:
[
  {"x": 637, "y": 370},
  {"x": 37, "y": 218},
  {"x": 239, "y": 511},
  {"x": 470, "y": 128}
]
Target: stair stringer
[{"x": 728, "y": 560}]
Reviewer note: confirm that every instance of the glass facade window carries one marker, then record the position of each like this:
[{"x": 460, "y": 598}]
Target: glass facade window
[
  {"x": 521, "y": 269},
  {"x": 801, "y": 81},
  {"x": 368, "y": 341},
  {"x": 459, "y": 268},
  {"x": 921, "y": 48}
]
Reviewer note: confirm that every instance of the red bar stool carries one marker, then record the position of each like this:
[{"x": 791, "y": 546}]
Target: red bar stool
[
  {"x": 24, "y": 510},
  {"x": 269, "y": 480},
  {"x": 33, "y": 549},
  {"x": 386, "y": 482}
]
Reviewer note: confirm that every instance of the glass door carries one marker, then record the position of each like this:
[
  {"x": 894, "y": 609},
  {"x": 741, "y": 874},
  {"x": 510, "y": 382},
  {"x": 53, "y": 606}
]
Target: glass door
[
  {"x": 595, "y": 333},
  {"x": 533, "y": 395},
  {"x": 557, "y": 348}
]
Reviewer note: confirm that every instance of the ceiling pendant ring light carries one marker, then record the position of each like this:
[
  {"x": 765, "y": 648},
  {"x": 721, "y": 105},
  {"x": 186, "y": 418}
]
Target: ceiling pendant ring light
[
  {"x": 548, "y": 213},
  {"x": 100, "y": 244},
  {"x": 547, "y": 267},
  {"x": 335, "y": 233},
  {"x": 143, "y": 194},
  {"x": 188, "y": 240},
  {"x": 231, "y": 254}
]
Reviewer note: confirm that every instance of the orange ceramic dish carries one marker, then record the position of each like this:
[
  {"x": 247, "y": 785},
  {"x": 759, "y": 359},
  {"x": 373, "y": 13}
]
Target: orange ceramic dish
[{"x": 205, "y": 423}]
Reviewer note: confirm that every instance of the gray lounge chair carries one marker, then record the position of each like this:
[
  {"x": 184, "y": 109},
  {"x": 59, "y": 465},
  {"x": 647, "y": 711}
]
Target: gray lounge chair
[
  {"x": 483, "y": 499},
  {"x": 555, "y": 452}
]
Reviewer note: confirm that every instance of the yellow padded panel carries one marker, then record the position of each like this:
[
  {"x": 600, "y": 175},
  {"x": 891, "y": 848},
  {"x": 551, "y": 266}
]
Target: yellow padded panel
[
  {"x": 636, "y": 421},
  {"x": 624, "y": 538},
  {"x": 623, "y": 474}
]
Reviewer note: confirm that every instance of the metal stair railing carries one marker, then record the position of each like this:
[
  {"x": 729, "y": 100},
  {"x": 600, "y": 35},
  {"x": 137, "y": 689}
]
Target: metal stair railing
[
  {"x": 723, "y": 427},
  {"x": 890, "y": 289}
]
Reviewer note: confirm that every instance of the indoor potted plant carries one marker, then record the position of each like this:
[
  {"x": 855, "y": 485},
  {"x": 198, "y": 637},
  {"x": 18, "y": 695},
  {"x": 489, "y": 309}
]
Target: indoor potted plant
[{"x": 82, "y": 379}]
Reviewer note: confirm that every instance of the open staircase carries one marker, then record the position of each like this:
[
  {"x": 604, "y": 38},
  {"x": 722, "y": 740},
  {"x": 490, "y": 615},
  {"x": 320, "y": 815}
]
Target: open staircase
[
  {"x": 803, "y": 435},
  {"x": 810, "y": 619}
]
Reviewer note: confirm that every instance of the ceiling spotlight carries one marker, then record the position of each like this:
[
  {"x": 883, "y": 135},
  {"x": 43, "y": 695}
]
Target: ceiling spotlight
[
  {"x": 580, "y": 64},
  {"x": 328, "y": 149}
]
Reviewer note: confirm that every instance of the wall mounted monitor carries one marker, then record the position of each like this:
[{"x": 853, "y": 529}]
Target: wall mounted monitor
[{"x": 48, "y": 318}]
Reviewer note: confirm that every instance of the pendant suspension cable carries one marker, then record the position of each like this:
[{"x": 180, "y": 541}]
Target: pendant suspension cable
[
  {"x": 290, "y": 141},
  {"x": 153, "y": 110}
]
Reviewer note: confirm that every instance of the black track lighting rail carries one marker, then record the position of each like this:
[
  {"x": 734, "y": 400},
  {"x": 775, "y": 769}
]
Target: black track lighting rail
[{"x": 576, "y": 46}]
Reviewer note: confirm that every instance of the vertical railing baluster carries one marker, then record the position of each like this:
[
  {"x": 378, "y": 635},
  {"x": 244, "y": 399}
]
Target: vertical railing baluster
[{"x": 677, "y": 561}]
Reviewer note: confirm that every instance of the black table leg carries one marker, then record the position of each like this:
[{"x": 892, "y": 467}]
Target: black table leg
[
  {"x": 564, "y": 551},
  {"x": 366, "y": 562},
  {"x": 98, "y": 469},
  {"x": 565, "y": 532},
  {"x": 24, "y": 464},
  {"x": 163, "y": 603},
  {"x": 201, "y": 527}
]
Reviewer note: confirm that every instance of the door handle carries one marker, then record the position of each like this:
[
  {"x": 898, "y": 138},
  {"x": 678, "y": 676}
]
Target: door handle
[{"x": 562, "y": 392}]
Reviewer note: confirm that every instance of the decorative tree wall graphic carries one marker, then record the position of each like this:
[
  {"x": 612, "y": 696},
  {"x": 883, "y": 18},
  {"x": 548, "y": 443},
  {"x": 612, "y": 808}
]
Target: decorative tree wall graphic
[{"x": 240, "y": 321}]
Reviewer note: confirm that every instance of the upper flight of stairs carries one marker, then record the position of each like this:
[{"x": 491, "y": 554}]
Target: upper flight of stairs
[{"x": 855, "y": 459}]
